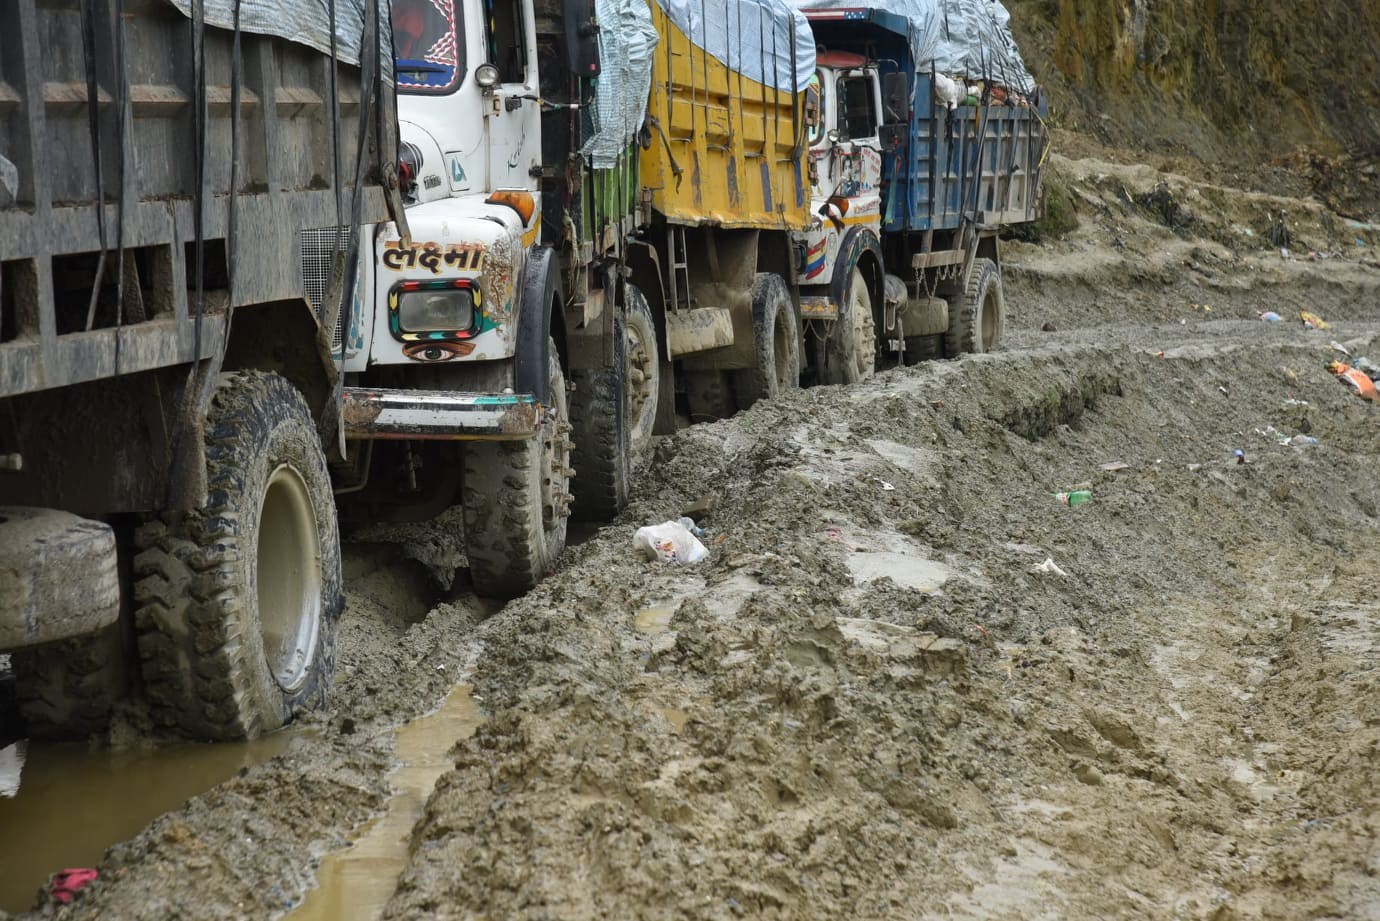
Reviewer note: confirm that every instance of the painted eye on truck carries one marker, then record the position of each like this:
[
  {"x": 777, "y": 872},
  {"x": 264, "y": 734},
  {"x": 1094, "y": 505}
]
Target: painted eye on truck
[{"x": 437, "y": 351}]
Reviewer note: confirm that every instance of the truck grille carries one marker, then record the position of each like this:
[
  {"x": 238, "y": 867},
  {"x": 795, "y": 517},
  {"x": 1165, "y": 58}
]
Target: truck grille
[{"x": 318, "y": 246}]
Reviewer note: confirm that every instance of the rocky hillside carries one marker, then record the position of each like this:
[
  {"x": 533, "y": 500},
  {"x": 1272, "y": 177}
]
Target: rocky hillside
[{"x": 1294, "y": 82}]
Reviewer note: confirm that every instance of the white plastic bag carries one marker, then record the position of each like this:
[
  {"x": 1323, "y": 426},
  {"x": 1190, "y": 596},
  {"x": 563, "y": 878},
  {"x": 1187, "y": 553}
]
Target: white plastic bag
[{"x": 670, "y": 542}]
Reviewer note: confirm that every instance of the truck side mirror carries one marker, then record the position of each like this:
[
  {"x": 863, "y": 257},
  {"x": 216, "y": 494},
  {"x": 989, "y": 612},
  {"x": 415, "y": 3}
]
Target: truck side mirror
[
  {"x": 581, "y": 37},
  {"x": 895, "y": 98},
  {"x": 812, "y": 106}
]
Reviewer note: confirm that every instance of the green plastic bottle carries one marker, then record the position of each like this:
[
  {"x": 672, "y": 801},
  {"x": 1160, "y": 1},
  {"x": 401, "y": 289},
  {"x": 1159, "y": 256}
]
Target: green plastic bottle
[{"x": 1074, "y": 499}]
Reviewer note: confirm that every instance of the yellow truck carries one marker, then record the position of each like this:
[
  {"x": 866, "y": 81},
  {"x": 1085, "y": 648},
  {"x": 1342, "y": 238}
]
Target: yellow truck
[{"x": 724, "y": 183}]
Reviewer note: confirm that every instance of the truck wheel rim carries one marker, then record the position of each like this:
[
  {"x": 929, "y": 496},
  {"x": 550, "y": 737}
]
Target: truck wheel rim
[
  {"x": 782, "y": 350},
  {"x": 989, "y": 319},
  {"x": 555, "y": 450},
  {"x": 289, "y": 578},
  {"x": 864, "y": 343},
  {"x": 643, "y": 377}
]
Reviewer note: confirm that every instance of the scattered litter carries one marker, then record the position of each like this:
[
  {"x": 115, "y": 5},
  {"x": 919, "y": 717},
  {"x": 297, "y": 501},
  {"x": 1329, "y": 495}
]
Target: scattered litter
[
  {"x": 1289, "y": 374},
  {"x": 1303, "y": 441},
  {"x": 887, "y": 487},
  {"x": 1270, "y": 316},
  {"x": 67, "y": 883},
  {"x": 1367, "y": 367},
  {"x": 1240, "y": 456},
  {"x": 1313, "y": 321},
  {"x": 1292, "y": 402},
  {"x": 1114, "y": 466},
  {"x": 1359, "y": 382},
  {"x": 1074, "y": 499},
  {"x": 1049, "y": 566},
  {"x": 670, "y": 542},
  {"x": 1224, "y": 390},
  {"x": 1338, "y": 347}
]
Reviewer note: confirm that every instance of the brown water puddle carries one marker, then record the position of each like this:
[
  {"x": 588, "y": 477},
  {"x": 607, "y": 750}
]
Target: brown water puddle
[
  {"x": 357, "y": 882},
  {"x": 70, "y": 802}
]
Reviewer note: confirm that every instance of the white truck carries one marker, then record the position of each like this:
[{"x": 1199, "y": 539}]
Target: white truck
[{"x": 517, "y": 353}]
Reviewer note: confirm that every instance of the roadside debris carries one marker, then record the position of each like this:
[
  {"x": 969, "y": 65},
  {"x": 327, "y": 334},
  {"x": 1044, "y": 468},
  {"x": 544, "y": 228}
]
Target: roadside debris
[
  {"x": 1075, "y": 498},
  {"x": 1114, "y": 467},
  {"x": 67, "y": 883},
  {"x": 1270, "y": 316},
  {"x": 1313, "y": 321},
  {"x": 1048, "y": 567},
  {"x": 1360, "y": 383},
  {"x": 1240, "y": 456},
  {"x": 671, "y": 542}
]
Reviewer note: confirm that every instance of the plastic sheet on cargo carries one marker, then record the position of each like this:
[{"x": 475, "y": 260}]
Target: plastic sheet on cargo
[
  {"x": 968, "y": 38},
  {"x": 765, "y": 40},
  {"x": 304, "y": 22},
  {"x": 627, "y": 39}
]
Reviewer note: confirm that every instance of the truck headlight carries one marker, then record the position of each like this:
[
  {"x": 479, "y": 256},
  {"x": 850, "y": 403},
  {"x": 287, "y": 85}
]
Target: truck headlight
[{"x": 435, "y": 307}]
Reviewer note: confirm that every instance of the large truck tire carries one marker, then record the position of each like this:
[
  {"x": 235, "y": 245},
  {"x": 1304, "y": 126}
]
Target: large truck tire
[
  {"x": 515, "y": 498},
  {"x": 708, "y": 396},
  {"x": 849, "y": 353},
  {"x": 776, "y": 343},
  {"x": 239, "y": 600},
  {"x": 977, "y": 317},
  {"x": 642, "y": 358},
  {"x": 602, "y": 440},
  {"x": 68, "y": 689}
]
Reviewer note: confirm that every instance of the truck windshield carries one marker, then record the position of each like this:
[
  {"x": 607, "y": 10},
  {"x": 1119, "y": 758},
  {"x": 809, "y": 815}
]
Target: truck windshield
[{"x": 428, "y": 45}]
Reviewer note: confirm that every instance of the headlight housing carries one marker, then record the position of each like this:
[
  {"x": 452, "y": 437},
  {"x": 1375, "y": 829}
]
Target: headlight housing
[{"x": 422, "y": 310}]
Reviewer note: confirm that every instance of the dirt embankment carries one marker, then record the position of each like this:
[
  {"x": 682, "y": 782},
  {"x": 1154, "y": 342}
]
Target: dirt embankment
[{"x": 1246, "y": 86}]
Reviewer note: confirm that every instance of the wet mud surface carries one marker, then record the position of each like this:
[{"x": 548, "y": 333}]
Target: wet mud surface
[{"x": 908, "y": 683}]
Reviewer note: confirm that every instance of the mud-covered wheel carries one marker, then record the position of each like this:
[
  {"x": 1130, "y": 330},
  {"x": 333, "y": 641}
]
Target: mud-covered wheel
[
  {"x": 776, "y": 343},
  {"x": 977, "y": 317},
  {"x": 601, "y": 439},
  {"x": 708, "y": 396},
  {"x": 923, "y": 348},
  {"x": 642, "y": 360},
  {"x": 849, "y": 352},
  {"x": 67, "y": 689},
  {"x": 516, "y": 498},
  {"x": 239, "y": 599}
]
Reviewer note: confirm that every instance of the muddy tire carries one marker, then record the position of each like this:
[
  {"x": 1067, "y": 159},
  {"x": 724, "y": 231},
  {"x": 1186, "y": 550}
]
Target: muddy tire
[
  {"x": 239, "y": 600},
  {"x": 642, "y": 359},
  {"x": 776, "y": 344},
  {"x": 601, "y": 438},
  {"x": 977, "y": 318},
  {"x": 68, "y": 689},
  {"x": 58, "y": 577},
  {"x": 849, "y": 353},
  {"x": 515, "y": 496},
  {"x": 923, "y": 348},
  {"x": 708, "y": 396}
]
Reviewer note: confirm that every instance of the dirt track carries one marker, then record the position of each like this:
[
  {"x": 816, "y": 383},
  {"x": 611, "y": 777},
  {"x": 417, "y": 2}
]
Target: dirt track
[{"x": 869, "y": 702}]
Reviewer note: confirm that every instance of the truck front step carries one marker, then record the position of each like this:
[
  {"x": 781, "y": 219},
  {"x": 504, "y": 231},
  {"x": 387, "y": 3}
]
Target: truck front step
[{"x": 430, "y": 414}]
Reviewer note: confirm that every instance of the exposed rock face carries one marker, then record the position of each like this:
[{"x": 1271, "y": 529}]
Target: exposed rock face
[{"x": 1212, "y": 77}]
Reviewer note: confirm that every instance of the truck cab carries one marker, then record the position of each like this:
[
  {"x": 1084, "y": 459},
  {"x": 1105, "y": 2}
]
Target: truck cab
[{"x": 455, "y": 389}]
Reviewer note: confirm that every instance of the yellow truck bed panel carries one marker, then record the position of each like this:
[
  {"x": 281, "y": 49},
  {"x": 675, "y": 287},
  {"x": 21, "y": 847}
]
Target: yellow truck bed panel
[{"x": 725, "y": 149}]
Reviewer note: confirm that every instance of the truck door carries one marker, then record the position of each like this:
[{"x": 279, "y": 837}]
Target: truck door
[
  {"x": 515, "y": 114},
  {"x": 858, "y": 106}
]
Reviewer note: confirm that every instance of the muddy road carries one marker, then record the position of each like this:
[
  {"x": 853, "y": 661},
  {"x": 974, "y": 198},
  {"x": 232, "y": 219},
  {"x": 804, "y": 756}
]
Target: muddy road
[{"x": 909, "y": 682}]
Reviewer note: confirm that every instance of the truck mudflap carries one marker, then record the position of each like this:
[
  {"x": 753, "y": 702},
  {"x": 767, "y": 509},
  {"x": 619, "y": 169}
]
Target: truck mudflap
[{"x": 371, "y": 413}]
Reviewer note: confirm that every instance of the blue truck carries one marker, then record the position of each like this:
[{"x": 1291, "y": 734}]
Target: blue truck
[{"x": 919, "y": 155}]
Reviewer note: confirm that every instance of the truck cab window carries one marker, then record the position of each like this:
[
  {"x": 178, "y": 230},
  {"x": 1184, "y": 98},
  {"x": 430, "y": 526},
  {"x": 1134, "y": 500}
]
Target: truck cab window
[
  {"x": 430, "y": 56},
  {"x": 818, "y": 128},
  {"x": 857, "y": 107},
  {"x": 507, "y": 40}
]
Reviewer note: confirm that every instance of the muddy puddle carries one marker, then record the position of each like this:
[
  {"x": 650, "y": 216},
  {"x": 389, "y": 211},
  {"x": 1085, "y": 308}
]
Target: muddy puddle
[
  {"x": 63, "y": 805},
  {"x": 357, "y": 882}
]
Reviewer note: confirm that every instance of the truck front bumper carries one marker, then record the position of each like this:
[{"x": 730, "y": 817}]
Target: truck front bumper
[{"x": 442, "y": 415}]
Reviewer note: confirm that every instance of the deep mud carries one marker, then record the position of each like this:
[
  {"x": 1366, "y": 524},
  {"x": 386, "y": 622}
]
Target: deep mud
[{"x": 874, "y": 700}]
